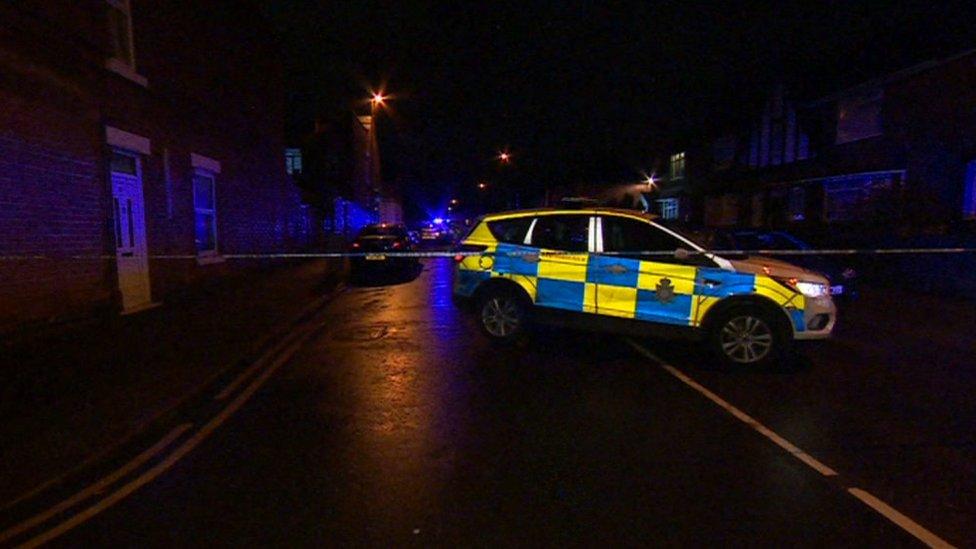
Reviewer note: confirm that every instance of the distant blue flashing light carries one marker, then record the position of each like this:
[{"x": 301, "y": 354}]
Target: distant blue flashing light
[{"x": 438, "y": 220}]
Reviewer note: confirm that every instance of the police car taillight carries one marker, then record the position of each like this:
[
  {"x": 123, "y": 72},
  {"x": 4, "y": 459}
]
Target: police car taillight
[{"x": 465, "y": 250}]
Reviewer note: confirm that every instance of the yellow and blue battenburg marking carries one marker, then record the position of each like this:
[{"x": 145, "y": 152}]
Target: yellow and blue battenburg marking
[{"x": 618, "y": 286}]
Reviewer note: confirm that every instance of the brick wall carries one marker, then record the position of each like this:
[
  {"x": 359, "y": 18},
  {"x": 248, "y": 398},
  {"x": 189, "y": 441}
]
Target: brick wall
[
  {"x": 213, "y": 90},
  {"x": 51, "y": 204}
]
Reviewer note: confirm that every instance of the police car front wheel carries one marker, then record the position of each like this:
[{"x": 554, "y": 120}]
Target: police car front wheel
[{"x": 743, "y": 336}]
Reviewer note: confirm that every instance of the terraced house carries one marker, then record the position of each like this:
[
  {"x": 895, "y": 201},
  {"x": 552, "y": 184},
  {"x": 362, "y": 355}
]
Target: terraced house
[
  {"x": 895, "y": 154},
  {"x": 140, "y": 145}
]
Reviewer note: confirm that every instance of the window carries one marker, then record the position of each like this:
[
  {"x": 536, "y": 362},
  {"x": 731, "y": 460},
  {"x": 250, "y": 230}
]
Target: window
[
  {"x": 798, "y": 204},
  {"x": 630, "y": 236},
  {"x": 669, "y": 208},
  {"x": 510, "y": 231},
  {"x": 860, "y": 196},
  {"x": 969, "y": 193},
  {"x": 293, "y": 161},
  {"x": 124, "y": 168},
  {"x": 562, "y": 232},
  {"x": 859, "y": 117},
  {"x": 205, "y": 206},
  {"x": 123, "y": 163},
  {"x": 120, "y": 31},
  {"x": 677, "y": 166}
]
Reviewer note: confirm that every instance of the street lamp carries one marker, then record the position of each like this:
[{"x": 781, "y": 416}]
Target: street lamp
[
  {"x": 376, "y": 101},
  {"x": 504, "y": 157},
  {"x": 650, "y": 181},
  {"x": 482, "y": 186},
  {"x": 454, "y": 201}
]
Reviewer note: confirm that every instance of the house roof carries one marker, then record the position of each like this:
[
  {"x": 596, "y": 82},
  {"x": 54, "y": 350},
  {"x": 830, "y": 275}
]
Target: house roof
[{"x": 890, "y": 78}]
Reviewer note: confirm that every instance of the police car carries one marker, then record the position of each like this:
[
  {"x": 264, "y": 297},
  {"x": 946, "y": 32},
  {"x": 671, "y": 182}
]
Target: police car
[{"x": 627, "y": 272}]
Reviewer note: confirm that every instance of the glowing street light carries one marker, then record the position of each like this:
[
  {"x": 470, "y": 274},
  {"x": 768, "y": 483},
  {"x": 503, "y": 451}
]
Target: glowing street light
[
  {"x": 378, "y": 99},
  {"x": 454, "y": 201},
  {"x": 504, "y": 157},
  {"x": 482, "y": 186},
  {"x": 650, "y": 181}
]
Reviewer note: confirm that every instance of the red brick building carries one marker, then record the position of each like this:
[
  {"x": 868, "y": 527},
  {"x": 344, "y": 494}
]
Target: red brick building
[
  {"x": 140, "y": 144},
  {"x": 893, "y": 154}
]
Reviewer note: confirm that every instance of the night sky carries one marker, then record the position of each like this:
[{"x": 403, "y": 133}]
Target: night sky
[{"x": 582, "y": 91}]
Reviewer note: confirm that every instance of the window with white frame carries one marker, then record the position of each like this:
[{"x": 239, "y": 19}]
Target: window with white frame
[
  {"x": 677, "y": 170},
  {"x": 669, "y": 208},
  {"x": 120, "y": 31},
  {"x": 969, "y": 193},
  {"x": 205, "y": 208},
  {"x": 293, "y": 161}
]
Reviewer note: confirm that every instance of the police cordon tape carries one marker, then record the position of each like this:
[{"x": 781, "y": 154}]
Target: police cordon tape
[{"x": 512, "y": 253}]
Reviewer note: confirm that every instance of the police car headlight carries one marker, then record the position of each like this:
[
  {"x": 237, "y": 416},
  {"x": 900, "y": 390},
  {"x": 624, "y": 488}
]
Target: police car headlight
[{"x": 809, "y": 289}]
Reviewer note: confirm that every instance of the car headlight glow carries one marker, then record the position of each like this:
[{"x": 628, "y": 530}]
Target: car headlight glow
[{"x": 811, "y": 289}]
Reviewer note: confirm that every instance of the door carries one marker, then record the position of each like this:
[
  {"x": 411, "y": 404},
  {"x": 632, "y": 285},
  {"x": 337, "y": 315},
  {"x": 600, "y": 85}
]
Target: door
[
  {"x": 561, "y": 244},
  {"x": 130, "y": 232},
  {"x": 632, "y": 283}
]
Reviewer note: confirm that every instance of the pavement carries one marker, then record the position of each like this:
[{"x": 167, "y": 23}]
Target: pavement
[
  {"x": 74, "y": 394},
  {"x": 392, "y": 422}
]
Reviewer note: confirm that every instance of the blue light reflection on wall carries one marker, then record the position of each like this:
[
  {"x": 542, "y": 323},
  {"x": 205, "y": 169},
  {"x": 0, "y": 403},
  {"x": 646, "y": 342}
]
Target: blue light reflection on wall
[{"x": 351, "y": 217}]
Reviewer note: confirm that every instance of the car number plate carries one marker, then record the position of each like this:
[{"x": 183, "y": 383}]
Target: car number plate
[
  {"x": 375, "y": 257},
  {"x": 835, "y": 290}
]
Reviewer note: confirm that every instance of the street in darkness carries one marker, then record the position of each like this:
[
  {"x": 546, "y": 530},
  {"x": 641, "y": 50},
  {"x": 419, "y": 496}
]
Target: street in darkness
[
  {"x": 302, "y": 273},
  {"x": 398, "y": 424}
]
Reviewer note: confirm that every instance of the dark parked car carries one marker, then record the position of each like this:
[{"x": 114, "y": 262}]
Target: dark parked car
[
  {"x": 842, "y": 276},
  {"x": 375, "y": 247}
]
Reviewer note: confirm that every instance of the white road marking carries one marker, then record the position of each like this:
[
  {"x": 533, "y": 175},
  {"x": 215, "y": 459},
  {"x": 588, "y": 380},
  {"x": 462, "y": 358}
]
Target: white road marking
[
  {"x": 920, "y": 532},
  {"x": 892, "y": 514},
  {"x": 240, "y": 379},
  {"x": 177, "y": 453},
  {"x": 258, "y": 364},
  {"x": 97, "y": 487}
]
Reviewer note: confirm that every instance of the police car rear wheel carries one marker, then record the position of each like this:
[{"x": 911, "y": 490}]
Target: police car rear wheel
[{"x": 502, "y": 315}]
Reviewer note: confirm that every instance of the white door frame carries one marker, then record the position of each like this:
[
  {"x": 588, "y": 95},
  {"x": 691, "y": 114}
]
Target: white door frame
[{"x": 129, "y": 228}]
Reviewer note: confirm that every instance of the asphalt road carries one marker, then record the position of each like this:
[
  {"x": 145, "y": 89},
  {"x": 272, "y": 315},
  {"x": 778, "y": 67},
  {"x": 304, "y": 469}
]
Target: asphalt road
[{"x": 399, "y": 424}]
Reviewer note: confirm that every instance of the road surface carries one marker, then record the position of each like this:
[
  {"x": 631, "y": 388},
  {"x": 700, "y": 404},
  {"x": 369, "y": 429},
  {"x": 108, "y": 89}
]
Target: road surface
[{"x": 397, "y": 423}]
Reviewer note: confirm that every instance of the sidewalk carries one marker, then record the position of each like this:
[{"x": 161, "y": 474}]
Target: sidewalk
[{"x": 66, "y": 397}]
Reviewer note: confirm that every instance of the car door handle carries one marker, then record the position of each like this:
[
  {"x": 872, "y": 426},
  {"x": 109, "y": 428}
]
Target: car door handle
[
  {"x": 711, "y": 283},
  {"x": 531, "y": 258},
  {"x": 615, "y": 269}
]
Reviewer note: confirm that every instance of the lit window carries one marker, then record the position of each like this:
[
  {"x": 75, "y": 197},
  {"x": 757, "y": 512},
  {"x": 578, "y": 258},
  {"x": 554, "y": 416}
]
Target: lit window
[
  {"x": 969, "y": 194},
  {"x": 798, "y": 204},
  {"x": 669, "y": 208},
  {"x": 859, "y": 118},
  {"x": 677, "y": 166},
  {"x": 205, "y": 206},
  {"x": 120, "y": 31},
  {"x": 293, "y": 161}
]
